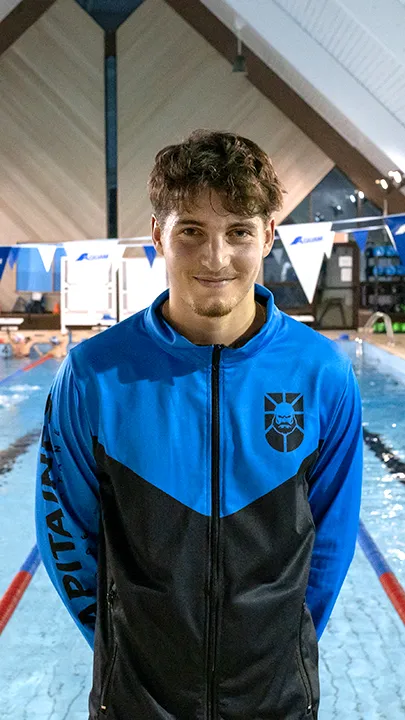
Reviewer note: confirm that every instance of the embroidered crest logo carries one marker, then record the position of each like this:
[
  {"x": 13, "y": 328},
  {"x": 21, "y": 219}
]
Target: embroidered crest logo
[{"x": 284, "y": 420}]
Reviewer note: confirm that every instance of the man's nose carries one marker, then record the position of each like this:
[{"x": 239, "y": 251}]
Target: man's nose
[{"x": 216, "y": 253}]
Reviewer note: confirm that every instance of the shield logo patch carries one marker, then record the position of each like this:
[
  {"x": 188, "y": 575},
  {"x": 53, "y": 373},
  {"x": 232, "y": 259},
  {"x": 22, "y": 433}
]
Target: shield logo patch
[{"x": 284, "y": 420}]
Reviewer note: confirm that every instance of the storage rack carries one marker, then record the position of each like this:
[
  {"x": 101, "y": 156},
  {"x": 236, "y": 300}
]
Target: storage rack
[{"x": 384, "y": 287}]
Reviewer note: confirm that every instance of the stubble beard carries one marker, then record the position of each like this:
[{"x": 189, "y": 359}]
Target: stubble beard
[
  {"x": 213, "y": 307},
  {"x": 214, "y": 310}
]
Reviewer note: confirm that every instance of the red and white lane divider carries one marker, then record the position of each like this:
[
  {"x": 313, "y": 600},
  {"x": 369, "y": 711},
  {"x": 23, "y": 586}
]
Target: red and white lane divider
[
  {"x": 391, "y": 585},
  {"x": 18, "y": 586},
  {"x": 30, "y": 366}
]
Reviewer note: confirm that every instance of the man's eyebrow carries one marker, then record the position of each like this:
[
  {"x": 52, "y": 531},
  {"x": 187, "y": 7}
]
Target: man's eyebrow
[
  {"x": 245, "y": 222},
  {"x": 191, "y": 221}
]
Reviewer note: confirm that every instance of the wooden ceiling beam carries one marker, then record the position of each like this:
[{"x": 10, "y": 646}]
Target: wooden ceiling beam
[
  {"x": 347, "y": 158},
  {"x": 25, "y": 14}
]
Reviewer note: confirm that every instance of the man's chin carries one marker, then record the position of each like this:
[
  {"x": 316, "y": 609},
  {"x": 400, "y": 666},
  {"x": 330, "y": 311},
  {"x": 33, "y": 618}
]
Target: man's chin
[{"x": 212, "y": 309}]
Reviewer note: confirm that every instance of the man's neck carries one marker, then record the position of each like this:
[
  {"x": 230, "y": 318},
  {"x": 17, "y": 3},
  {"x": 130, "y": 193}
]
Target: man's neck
[{"x": 228, "y": 336}]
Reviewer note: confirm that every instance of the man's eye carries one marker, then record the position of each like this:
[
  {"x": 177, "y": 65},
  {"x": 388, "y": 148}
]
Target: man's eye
[
  {"x": 241, "y": 233},
  {"x": 190, "y": 231}
]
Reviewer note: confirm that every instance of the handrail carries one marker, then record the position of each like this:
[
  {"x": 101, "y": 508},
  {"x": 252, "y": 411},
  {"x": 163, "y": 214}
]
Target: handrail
[{"x": 368, "y": 327}]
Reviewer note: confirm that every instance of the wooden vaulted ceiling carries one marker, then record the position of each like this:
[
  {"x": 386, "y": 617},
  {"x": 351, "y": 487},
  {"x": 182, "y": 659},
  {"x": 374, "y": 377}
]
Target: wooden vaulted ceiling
[
  {"x": 20, "y": 19},
  {"x": 346, "y": 157},
  {"x": 183, "y": 83}
]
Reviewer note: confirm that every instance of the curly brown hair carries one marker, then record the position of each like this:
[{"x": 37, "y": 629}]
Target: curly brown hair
[{"x": 234, "y": 166}]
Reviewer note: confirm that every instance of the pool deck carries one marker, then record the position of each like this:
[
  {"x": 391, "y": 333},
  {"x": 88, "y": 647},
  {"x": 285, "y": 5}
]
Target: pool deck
[{"x": 380, "y": 341}]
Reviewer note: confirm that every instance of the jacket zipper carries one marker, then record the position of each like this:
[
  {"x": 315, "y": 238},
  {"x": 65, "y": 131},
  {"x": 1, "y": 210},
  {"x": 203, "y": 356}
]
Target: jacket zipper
[
  {"x": 302, "y": 669},
  {"x": 213, "y": 579},
  {"x": 110, "y": 667}
]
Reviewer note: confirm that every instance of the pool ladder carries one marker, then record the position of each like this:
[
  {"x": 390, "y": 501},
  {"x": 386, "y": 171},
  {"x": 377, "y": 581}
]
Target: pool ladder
[{"x": 368, "y": 327}]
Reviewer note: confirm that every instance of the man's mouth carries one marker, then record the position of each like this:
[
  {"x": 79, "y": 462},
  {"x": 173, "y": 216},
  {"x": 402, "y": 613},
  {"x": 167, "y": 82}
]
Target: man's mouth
[{"x": 214, "y": 282}]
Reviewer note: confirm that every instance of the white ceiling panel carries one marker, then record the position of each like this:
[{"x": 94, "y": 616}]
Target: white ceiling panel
[
  {"x": 6, "y": 6},
  {"x": 346, "y": 31},
  {"x": 346, "y": 58}
]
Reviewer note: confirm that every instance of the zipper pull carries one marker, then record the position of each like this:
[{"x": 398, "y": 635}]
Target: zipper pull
[
  {"x": 216, "y": 354},
  {"x": 111, "y": 596}
]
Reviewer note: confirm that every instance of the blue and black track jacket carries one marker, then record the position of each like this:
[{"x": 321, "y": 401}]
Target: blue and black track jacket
[{"x": 197, "y": 510}]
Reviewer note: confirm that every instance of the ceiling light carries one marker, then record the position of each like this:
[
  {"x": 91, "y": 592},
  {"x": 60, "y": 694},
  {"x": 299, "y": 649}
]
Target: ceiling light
[
  {"x": 361, "y": 194},
  {"x": 239, "y": 65},
  {"x": 352, "y": 198},
  {"x": 384, "y": 184}
]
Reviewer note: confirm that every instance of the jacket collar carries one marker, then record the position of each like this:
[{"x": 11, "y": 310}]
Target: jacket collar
[{"x": 175, "y": 344}]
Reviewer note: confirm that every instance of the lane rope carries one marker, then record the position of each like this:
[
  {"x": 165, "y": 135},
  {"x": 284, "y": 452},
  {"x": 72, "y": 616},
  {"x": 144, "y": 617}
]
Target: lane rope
[
  {"x": 388, "y": 580},
  {"x": 391, "y": 585},
  {"x": 18, "y": 586},
  {"x": 15, "y": 591},
  {"x": 30, "y": 366}
]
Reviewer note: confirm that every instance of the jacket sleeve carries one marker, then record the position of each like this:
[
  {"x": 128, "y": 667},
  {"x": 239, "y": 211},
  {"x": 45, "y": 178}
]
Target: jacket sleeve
[
  {"x": 67, "y": 506},
  {"x": 334, "y": 496}
]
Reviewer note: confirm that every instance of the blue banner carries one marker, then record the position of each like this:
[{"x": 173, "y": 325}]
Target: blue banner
[
  {"x": 31, "y": 274},
  {"x": 360, "y": 237},
  {"x": 150, "y": 253},
  {"x": 12, "y": 258},
  {"x": 4, "y": 252},
  {"x": 396, "y": 226}
]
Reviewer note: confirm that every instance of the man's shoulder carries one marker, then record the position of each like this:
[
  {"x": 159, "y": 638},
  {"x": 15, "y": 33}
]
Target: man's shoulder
[{"x": 111, "y": 346}]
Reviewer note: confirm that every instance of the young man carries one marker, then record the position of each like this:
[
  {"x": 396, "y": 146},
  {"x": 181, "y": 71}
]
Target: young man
[{"x": 199, "y": 477}]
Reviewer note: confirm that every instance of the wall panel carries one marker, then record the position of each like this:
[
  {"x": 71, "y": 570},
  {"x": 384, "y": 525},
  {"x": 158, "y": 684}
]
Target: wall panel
[
  {"x": 171, "y": 81},
  {"x": 52, "y": 185},
  {"x": 52, "y": 129}
]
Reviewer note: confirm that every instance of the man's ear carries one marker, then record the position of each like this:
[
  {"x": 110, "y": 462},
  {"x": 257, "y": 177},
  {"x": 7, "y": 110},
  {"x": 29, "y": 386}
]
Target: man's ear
[
  {"x": 157, "y": 236},
  {"x": 269, "y": 237}
]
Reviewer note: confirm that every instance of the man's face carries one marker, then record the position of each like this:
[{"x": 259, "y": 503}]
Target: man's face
[{"x": 212, "y": 256}]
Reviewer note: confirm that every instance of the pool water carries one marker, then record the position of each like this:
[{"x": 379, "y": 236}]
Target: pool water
[{"x": 45, "y": 664}]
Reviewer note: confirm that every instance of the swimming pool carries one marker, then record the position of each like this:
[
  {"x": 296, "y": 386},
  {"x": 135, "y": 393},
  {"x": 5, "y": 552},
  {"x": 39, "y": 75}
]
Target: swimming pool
[{"x": 45, "y": 665}]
